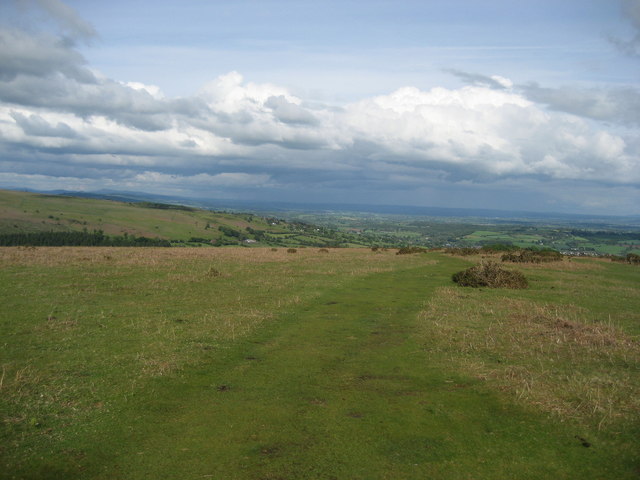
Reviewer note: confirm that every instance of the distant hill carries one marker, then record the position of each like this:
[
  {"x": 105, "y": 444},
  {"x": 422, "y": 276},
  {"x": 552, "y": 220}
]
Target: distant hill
[{"x": 28, "y": 213}]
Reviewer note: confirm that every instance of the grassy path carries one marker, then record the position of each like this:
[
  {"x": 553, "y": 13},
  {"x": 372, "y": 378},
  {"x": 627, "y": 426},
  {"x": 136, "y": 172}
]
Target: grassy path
[{"x": 342, "y": 389}]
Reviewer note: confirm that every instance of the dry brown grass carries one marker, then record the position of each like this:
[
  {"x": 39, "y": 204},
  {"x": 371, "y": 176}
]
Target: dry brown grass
[
  {"x": 57, "y": 256},
  {"x": 547, "y": 356},
  {"x": 158, "y": 366}
]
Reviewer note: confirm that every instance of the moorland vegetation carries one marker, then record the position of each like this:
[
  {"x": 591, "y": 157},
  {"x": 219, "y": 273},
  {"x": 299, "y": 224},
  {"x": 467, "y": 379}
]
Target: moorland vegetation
[{"x": 248, "y": 363}]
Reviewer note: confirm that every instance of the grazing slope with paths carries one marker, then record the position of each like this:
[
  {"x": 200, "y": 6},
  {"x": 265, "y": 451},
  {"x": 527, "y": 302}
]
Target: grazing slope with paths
[
  {"x": 344, "y": 388},
  {"x": 340, "y": 375}
]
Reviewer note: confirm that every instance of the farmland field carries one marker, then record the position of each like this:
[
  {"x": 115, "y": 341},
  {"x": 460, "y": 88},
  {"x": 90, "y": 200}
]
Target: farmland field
[
  {"x": 575, "y": 236},
  {"x": 237, "y": 363}
]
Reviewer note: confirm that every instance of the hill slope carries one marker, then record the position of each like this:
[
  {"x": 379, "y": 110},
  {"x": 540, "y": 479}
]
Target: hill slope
[
  {"x": 243, "y": 363},
  {"x": 24, "y": 212}
]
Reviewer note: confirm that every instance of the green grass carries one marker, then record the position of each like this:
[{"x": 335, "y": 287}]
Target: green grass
[
  {"x": 253, "y": 364},
  {"x": 30, "y": 212}
]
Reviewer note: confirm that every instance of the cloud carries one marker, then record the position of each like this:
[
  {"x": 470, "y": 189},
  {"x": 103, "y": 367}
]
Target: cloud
[
  {"x": 289, "y": 112},
  {"x": 620, "y": 105},
  {"x": 258, "y": 114},
  {"x": 33, "y": 76},
  {"x": 52, "y": 16},
  {"x": 41, "y": 56},
  {"x": 631, "y": 12},
  {"x": 480, "y": 133},
  {"x": 37, "y": 126},
  {"x": 494, "y": 81},
  {"x": 67, "y": 18},
  {"x": 62, "y": 118},
  {"x": 226, "y": 179},
  {"x": 475, "y": 132}
]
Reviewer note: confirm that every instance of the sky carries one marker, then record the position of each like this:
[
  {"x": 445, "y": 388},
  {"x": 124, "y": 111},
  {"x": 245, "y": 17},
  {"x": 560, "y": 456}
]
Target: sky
[{"x": 502, "y": 104}]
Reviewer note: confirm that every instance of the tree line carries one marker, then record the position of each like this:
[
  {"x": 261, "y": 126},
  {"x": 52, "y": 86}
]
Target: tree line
[{"x": 96, "y": 238}]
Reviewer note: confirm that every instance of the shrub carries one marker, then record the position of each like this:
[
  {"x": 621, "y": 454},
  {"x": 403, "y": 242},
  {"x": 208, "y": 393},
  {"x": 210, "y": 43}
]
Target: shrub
[
  {"x": 291, "y": 250},
  {"x": 213, "y": 272},
  {"x": 323, "y": 250},
  {"x": 462, "y": 251},
  {"x": 532, "y": 256},
  {"x": 490, "y": 274},
  {"x": 409, "y": 250},
  {"x": 230, "y": 232},
  {"x": 498, "y": 247},
  {"x": 633, "y": 259}
]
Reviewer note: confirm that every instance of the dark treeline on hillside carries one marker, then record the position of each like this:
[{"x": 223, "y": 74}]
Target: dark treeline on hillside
[
  {"x": 164, "y": 206},
  {"x": 605, "y": 235},
  {"x": 78, "y": 239}
]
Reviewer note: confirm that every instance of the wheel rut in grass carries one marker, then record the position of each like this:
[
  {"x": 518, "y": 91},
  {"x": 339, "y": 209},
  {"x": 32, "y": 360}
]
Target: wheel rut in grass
[
  {"x": 340, "y": 388},
  {"x": 344, "y": 358}
]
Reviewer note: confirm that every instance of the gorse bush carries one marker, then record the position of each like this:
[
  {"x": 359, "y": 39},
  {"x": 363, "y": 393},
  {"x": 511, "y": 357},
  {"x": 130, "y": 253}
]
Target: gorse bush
[
  {"x": 291, "y": 250},
  {"x": 490, "y": 274}
]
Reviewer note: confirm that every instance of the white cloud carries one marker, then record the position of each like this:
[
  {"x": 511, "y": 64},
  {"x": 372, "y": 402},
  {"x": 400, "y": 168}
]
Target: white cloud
[
  {"x": 504, "y": 82},
  {"x": 229, "y": 94},
  {"x": 478, "y": 131},
  {"x": 474, "y": 132},
  {"x": 152, "y": 90}
]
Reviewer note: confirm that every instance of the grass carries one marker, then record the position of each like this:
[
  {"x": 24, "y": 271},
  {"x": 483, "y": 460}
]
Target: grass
[
  {"x": 545, "y": 356},
  {"x": 518, "y": 239},
  {"x": 259, "y": 364},
  {"x": 30, "y": 212}
]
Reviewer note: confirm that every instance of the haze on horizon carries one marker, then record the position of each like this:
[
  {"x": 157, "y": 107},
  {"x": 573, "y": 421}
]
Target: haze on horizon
[{"x": 511, "y": 105}]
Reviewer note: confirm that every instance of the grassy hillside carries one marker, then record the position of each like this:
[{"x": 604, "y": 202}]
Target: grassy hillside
[
  {"x": 259, "y": 364},
  {"x": 30, "y": 212}
]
